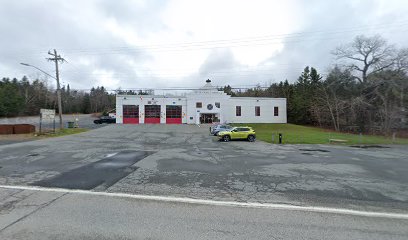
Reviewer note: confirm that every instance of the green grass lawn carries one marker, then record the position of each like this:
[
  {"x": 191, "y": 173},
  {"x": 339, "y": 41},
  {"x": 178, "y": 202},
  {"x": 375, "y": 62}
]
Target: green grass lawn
[{"x": 293, "y": 134}]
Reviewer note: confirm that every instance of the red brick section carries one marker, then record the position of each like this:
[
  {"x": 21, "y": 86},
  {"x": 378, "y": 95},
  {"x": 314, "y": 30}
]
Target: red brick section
[
  {"x": 16, "y": 128},
  {"x": 6, "y": 129},
  {"x": 23, "y": 128}
]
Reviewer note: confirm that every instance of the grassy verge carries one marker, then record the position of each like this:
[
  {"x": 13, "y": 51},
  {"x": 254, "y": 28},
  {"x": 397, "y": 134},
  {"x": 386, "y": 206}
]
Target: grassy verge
[
  {"x": 64, "y": 132},
  {"x": 296, "y": 134}
]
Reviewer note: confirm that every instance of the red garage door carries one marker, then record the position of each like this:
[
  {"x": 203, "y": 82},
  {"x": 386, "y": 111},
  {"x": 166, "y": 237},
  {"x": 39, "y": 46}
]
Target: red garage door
[
  {"x": 130, "y": 114},
  {"x": 173, "y": 114},
  {"x": 152, "y": 114}
]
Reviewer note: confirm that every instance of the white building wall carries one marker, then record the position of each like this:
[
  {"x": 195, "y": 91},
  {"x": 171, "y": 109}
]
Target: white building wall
[
  {"x": 193, "y": 113},
  {"x": 226, "y": 112},
  {"x": 248, "y": 110},
  {"x": 119, "y": 109},
  {"x": 141, "y": 110}
]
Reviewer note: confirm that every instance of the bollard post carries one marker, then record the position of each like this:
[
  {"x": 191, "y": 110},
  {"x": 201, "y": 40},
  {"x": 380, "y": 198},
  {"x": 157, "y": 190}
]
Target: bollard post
[
  {"x": 40, "y": 122},
  {"x": 280, "y": 138}
]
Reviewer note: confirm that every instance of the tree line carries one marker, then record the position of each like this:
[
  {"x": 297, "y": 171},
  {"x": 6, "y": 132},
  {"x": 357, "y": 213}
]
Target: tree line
[
  {"x": 25, "y": 98},
  {"x": 366, "y": 91}
]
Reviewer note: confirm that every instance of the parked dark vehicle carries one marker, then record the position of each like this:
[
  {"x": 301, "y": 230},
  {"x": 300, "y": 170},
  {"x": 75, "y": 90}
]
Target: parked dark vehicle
[
  {"x": 105, "y": 119},
  {"x": 219, "y": 128}
]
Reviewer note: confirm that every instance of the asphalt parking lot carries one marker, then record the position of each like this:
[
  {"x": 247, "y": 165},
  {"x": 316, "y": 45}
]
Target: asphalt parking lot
[{"x": 184, "y": 161}]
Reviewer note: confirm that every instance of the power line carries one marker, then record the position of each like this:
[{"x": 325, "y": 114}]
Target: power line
[
  {"x": 289, "y": 38},
  {"x": 212, "y": 44},
  {"x": 241, "y": 40},
  {"x": 176, "y": 88},
  {"x": 182, "y": 70}
]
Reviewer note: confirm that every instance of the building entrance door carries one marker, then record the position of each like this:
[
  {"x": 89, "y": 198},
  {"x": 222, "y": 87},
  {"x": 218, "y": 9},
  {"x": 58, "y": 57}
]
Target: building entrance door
[{"x": 207, "y": 118}]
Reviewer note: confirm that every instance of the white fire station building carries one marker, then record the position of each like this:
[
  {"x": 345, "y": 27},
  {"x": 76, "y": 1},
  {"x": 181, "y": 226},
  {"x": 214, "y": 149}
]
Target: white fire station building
[{"x": 206, "y": 105}]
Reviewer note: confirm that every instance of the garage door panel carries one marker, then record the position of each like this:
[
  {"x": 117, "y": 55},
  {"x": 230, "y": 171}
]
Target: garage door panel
[
  {"x": 152, "y": 114},
  {"x": 173, "y": 120},
  {"x": 173, "y": 114},
  {"x": 130, "y": 114},
  {"x": 130, "y": 120},
  {"x": 152, "y": 120}
]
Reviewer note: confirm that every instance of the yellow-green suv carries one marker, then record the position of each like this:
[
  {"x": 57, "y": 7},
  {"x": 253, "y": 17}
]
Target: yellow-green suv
[{"x": 237, "y": 133}]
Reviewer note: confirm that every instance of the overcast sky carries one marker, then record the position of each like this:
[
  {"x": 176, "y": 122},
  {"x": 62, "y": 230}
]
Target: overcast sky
[{"x": 176, "y": 43}]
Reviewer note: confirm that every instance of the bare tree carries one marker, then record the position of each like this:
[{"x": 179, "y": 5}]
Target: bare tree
[
  {"x": 334, "y": 96},
  {"x": 401, "y": 60},
  {"x": 367, "y": 55},
  {"x": 388, "y": 96}
]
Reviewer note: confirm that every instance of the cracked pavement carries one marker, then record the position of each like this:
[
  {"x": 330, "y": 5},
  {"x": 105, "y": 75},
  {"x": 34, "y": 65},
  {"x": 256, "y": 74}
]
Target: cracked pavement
[{"x": 185, "y": 161}]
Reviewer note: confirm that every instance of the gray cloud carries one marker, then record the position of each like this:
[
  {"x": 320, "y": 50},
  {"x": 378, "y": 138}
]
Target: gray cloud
[
  {"x": 78, "y": 30},
  {"x": 329, "y": 24}
]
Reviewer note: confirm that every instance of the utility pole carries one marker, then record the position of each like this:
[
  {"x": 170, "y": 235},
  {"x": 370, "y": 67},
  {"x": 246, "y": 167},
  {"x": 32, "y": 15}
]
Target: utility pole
[
  {"x": 56, "y": 58},
  {"x": 402, "y": 106}
]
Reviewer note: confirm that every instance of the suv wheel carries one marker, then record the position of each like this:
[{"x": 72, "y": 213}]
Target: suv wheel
[
  {"x": 226, "y": 138},
  {"x": 251, "y": 138}
]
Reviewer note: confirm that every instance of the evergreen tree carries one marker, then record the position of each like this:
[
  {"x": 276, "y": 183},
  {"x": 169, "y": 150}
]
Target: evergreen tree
[{"x": 11, "y": 101}]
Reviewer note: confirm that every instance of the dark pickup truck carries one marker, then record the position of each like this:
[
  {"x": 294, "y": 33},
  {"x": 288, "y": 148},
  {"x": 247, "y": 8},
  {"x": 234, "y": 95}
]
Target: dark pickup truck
[{"x": 105, "y": 119}]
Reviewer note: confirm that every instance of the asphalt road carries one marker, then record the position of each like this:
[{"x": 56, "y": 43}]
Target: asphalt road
[
  {"x": 45, "y": 215},
  {"x": 184, "y": 161}
]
